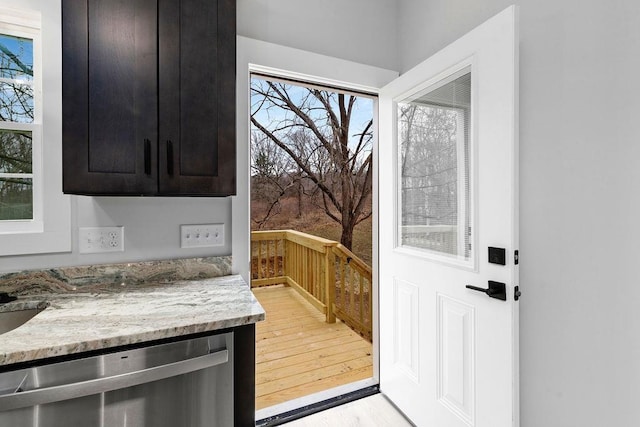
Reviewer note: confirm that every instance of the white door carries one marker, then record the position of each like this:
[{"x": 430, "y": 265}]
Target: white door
[{"x": 448, "y": 193}]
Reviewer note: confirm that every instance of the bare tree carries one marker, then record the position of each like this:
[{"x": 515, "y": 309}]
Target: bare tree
[
  {"x": 428, "y": 164},
  {"x": 16, "y": 105},
  {"x": 313, "y": 128},
  {"x": 271, "y": 176}
]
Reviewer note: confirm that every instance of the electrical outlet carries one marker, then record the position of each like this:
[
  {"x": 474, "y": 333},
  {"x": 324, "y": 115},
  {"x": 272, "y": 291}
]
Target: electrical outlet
[
  {"x": 201, "y": 235},
  {"x": 101, "y": 239}
]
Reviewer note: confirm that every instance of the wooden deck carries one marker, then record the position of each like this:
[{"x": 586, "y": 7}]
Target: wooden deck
[{"x": 298, "y": 353}]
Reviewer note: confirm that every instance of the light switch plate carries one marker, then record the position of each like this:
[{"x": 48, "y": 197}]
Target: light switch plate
[
  {"x": 100, "y": 239},
  {"x": 201, "y": 235}
]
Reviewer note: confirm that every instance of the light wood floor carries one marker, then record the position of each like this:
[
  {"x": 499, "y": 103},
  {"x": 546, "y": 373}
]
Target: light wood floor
[
  {"x": 298, "y": 353},
  {"x": 371, "y": 411}
]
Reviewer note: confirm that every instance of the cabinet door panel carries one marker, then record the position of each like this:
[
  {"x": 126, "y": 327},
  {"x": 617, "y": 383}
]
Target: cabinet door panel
[
  {"x": 197, "y": 97},
  {"x": 110, "y": 84},
  {"x": 112, "y": 119},
  {"x": 198, "y": 114}
]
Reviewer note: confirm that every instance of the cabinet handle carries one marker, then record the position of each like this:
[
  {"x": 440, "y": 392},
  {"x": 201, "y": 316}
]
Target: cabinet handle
[
  {"x": 169, "y": 158},
  {"x": 147, "y": 156}
]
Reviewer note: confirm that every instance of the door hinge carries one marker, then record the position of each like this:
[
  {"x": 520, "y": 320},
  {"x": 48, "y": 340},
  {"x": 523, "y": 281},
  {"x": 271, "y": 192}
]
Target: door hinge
[
  {"x": 516, "y": 257},
  {"x": 516, "y": 293}
]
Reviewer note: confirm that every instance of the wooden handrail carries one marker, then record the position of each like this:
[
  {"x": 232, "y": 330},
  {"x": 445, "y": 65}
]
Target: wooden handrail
[
  {"x": 341, "y": 250},
  {"x": 327, "y": 274}
]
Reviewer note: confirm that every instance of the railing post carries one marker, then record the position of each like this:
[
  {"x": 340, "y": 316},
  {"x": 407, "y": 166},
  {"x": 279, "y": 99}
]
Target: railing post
[
  {"x": 287, "y": 264},
  {"x": 330, "y": 282}
]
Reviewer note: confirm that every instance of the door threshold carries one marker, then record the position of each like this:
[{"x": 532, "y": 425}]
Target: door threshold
[
  {"x": 310, "y": 409},
  {"x": 311, "y": 399}
]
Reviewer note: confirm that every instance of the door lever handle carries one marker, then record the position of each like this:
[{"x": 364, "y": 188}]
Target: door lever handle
[{"x": 497, "y": 290}]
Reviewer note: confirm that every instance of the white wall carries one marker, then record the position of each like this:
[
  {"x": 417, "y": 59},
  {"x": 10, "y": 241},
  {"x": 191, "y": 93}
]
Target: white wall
[
  {"x": 579, "y": 198},
  {"x": 357, "y": 30}
]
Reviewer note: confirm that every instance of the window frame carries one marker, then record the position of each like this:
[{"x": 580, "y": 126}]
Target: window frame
[
  {"x": 469, "y": 261},
  {"x": 49, "y": 230},
  {"x": 28, "y": 29}
]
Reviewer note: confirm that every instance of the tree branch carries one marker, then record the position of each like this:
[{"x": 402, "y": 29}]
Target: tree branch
[{"x": 303, "y": 166}]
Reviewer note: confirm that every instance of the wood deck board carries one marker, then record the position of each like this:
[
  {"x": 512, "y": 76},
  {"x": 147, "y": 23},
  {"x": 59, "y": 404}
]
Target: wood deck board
[
  {"x": 309, "y": 365},
  {"x": 267, "y": 365},
  {"x": 307, "y": 331},
  {"x": 298, "y": 353},
  {"x": 314, "y": 387},
  {"x": 281, "y": 352},
  {"x": 308, "y": 336}
]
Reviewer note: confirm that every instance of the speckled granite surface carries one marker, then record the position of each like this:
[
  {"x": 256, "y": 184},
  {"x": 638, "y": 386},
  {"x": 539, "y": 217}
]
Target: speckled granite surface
[
  {"x": 94, "y": 278},
  {"x": 101, "y": 306},
  {"x": 75, "y": 322}
]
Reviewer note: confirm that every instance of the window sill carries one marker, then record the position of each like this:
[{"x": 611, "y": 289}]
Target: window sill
[{"x": 54, "y": 236}]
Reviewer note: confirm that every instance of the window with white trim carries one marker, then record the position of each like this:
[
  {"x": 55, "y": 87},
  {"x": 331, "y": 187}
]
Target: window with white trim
[
  {"x": 20, "y": 125},
  {"x": 35, "y": 216}
]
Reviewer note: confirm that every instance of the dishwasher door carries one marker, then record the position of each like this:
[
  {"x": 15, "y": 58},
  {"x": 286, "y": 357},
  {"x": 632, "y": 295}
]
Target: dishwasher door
[{"x": 181, "y": 384}]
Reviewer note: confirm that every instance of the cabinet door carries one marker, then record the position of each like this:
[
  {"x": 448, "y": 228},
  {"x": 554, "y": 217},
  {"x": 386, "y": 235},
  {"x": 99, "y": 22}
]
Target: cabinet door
[
  {"x": 110, "y": 118},
  {"x": 197, "y": 97}
]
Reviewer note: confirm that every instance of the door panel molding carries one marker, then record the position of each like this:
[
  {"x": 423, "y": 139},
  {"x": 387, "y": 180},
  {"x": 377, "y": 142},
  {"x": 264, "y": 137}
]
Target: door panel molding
[
  {"x": 406, "y": 327},
  {"x": 456, "y": 356}
]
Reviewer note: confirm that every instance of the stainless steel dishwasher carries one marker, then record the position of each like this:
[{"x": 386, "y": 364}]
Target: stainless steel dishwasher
[{"x": 179, "y": 384}]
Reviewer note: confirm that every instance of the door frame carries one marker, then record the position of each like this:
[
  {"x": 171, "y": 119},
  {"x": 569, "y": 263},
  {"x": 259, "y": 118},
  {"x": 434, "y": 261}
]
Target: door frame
[{"x": 255, "y": 56}]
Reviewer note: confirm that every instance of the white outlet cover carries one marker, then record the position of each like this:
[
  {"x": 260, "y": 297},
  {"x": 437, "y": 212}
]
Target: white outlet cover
[
  {"x": 93, "y": 240},
  {"x": 201, "y": 235}
]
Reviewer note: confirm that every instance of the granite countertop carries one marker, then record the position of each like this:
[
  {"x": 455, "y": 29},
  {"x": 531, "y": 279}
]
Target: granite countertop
[{"x": 83, "y": 321}]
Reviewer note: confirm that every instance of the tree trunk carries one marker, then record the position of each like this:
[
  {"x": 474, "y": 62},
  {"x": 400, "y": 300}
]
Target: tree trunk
[
  {"x": 300, "y": 189},
  {"x": 347, "y": 236}
]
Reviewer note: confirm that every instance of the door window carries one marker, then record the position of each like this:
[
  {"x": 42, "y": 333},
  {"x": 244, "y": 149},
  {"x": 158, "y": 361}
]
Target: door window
[{"x": 434, "y": 170}]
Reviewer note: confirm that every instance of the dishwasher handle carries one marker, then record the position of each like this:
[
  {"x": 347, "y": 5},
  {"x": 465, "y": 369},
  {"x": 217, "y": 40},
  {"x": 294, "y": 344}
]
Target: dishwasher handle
[{"x": 100, "y": 385}]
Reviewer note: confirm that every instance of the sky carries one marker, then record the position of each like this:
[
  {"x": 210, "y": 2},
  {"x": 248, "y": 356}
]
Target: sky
[
  {"x": 22, "y": 49},
  {"x": 362, "y": 110}
]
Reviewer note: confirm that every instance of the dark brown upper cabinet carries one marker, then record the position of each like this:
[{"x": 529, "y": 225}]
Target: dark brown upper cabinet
[{"x": 148, "y": 104}]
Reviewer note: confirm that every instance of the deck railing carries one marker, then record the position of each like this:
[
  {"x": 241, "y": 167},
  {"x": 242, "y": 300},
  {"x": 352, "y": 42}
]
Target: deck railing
[{"x": 324, "y": 272}]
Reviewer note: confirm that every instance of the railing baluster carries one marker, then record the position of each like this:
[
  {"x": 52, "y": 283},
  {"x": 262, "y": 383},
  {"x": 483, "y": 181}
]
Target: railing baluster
[
  {"x": 352, "y": 290},
  {"x": 253, "y": 248},
  {"x": 361, "y": 295},
  {"x": 283, "y": 257},
  {"x": 303, "y": 268},
  {"x": 318, "y": 292},
  {"x": 343, "y": 278},
  {"x": 279, "y": 258},
  {"x": 300, "y": 262},
  {"x": 330, "y": 282},
  {"x": 319, "y": 287},
  {"x": 312, "y": 273},
  {"x": 260, "y": 259},
  {"x": 268, "y": 256},
  {"x": 295, "y": 265}
]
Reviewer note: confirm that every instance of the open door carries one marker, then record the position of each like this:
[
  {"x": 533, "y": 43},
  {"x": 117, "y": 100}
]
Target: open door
[{"x": 449, "y": 233}]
